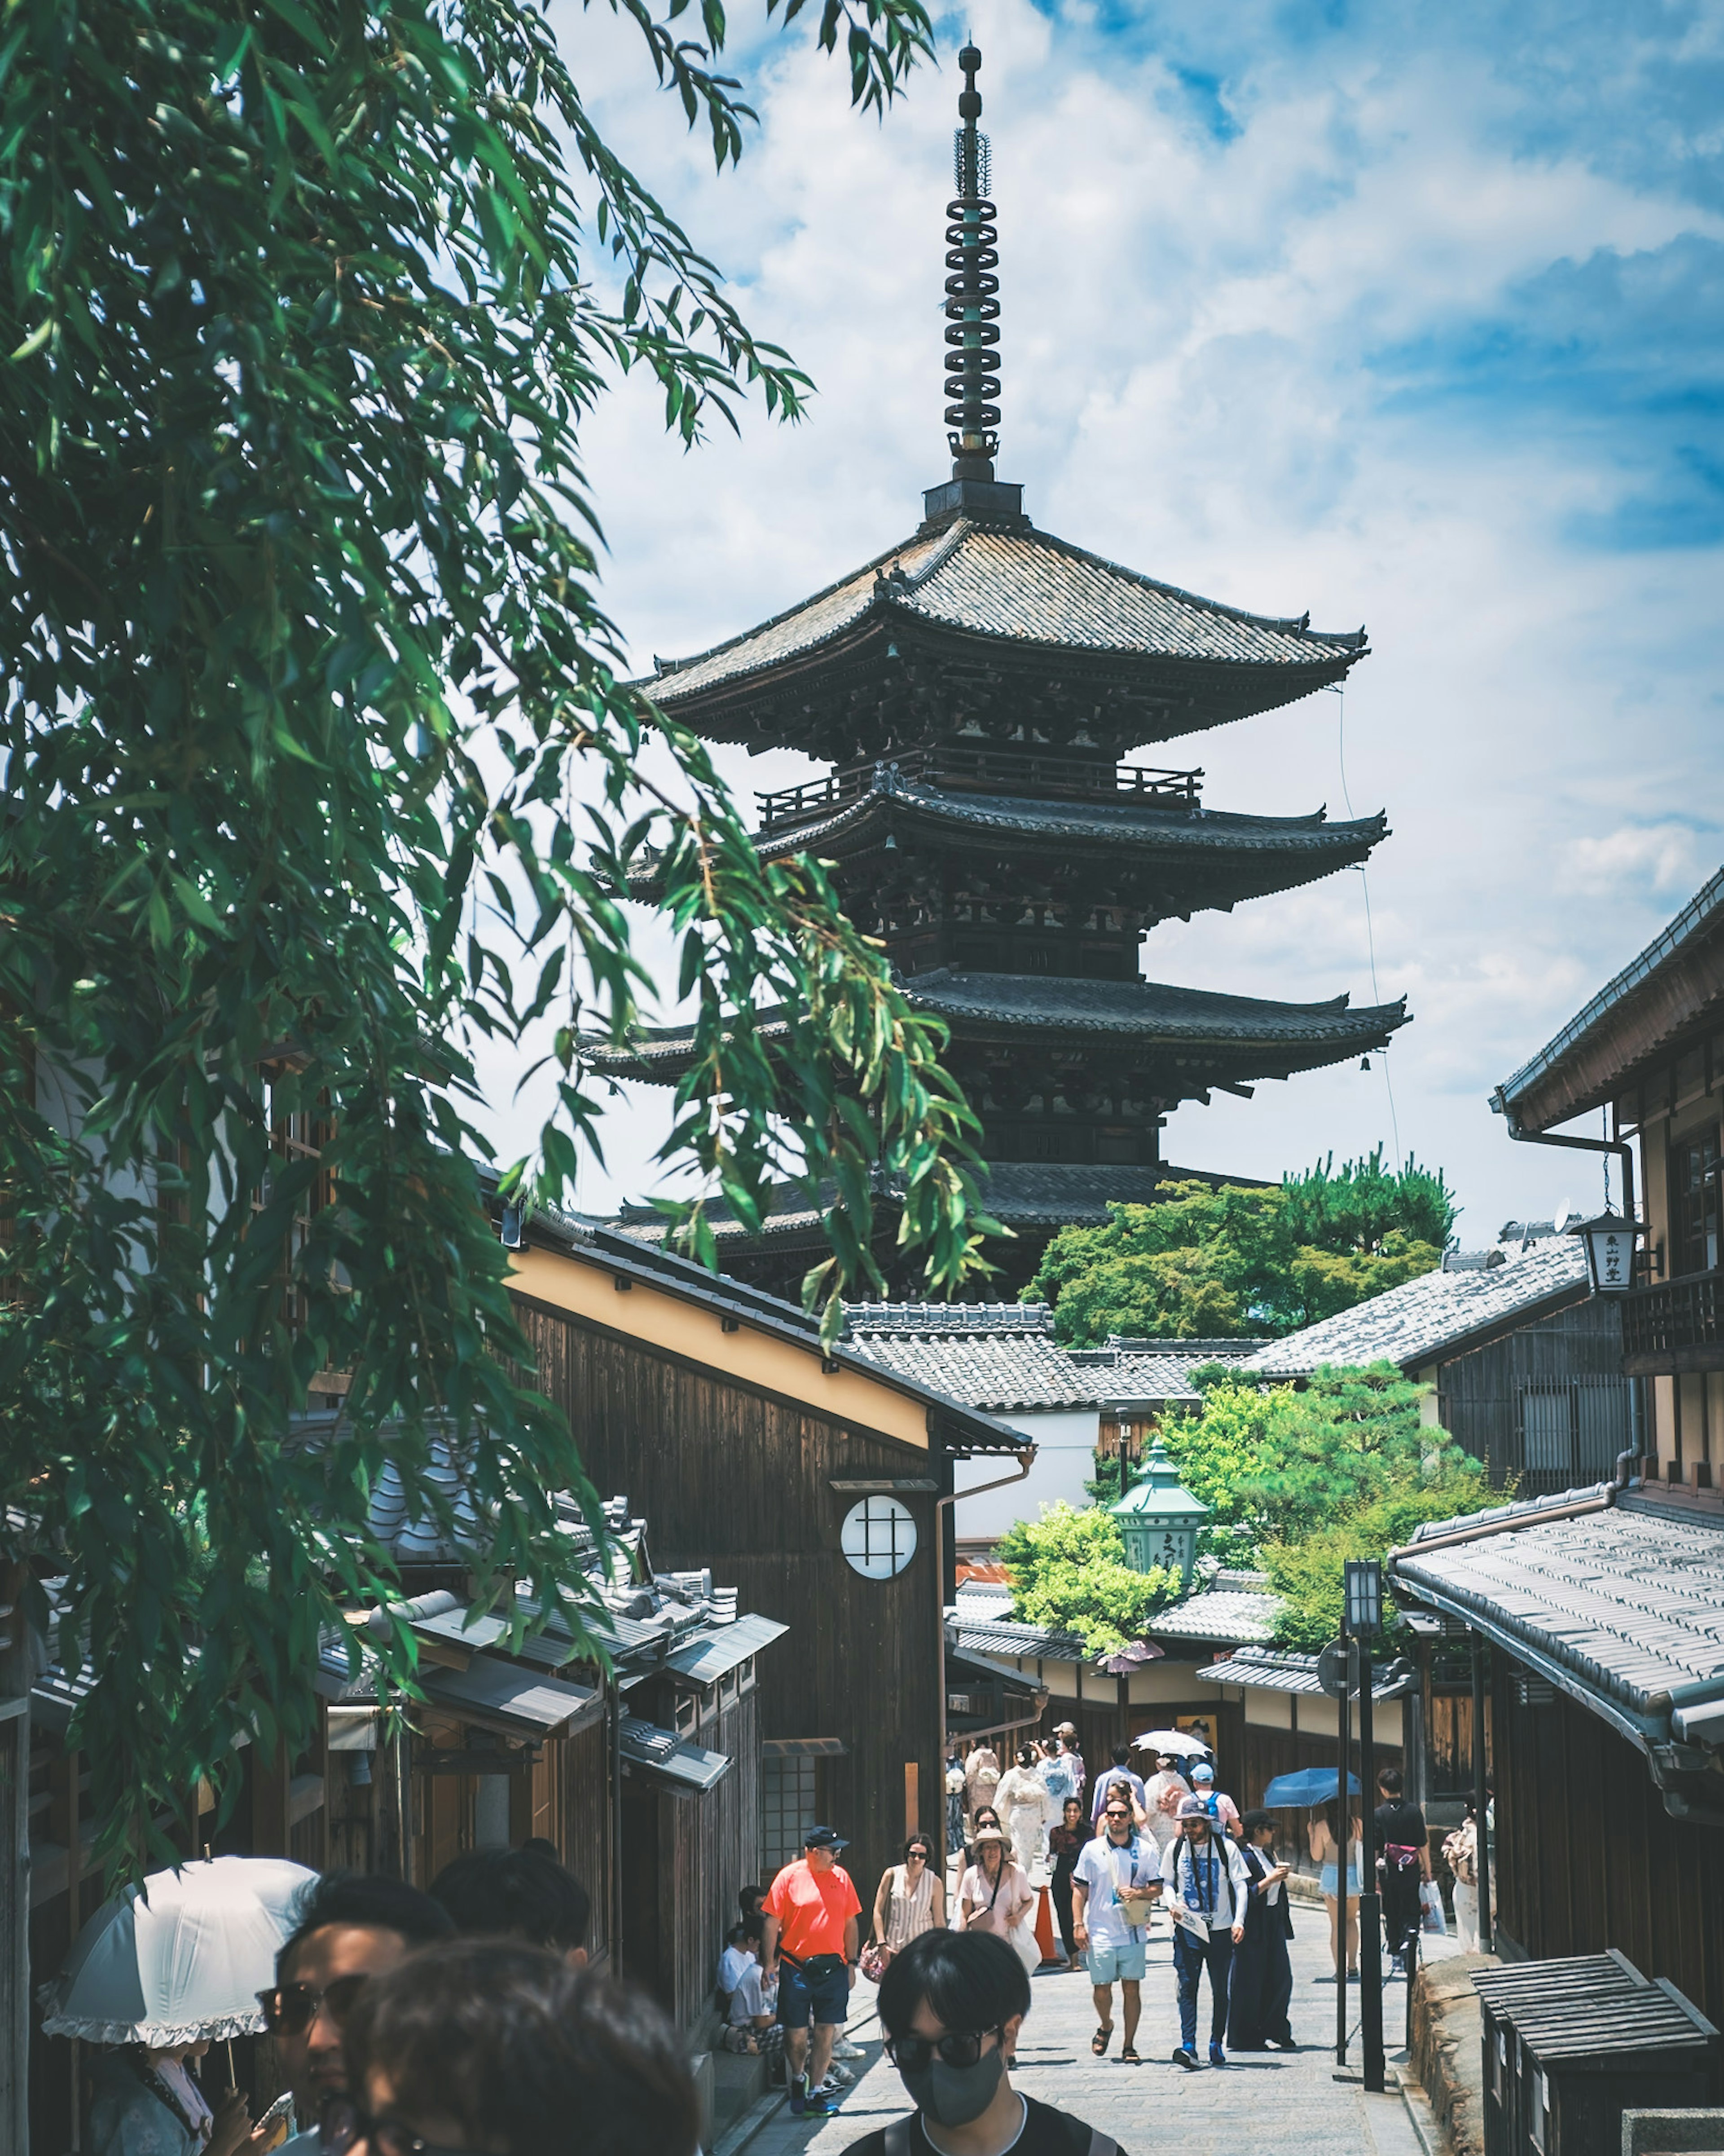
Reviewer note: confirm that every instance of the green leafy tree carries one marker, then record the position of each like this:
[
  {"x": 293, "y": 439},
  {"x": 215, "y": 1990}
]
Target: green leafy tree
[
  {"x": 1361, "y": 1207},
  {"x": 1281, "y": 1461},
  {"x": 306, "y": 303},
  {"x": 1309, "y": 1574},
  {"x": 1068, "y": 1572},
  {"x": 1300, "y": 1479},
  {"x": 1204, "y": 1262}
]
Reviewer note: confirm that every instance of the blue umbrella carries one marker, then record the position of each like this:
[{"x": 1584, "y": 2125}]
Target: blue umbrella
[{"x": 1311, "y": 1785}]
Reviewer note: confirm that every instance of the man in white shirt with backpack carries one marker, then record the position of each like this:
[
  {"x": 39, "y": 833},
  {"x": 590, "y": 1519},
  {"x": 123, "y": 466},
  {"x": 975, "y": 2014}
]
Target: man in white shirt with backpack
[{"x": 1207, "y": 1884}]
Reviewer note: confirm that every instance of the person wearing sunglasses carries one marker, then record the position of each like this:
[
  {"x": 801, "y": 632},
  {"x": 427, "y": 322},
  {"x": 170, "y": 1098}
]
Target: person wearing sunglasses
[
  {"x": 1116, "y": 1879},
  {"x": 352, "y": 1927},
  {"x": 951, "y": 2006},
  {"x": 493, "y": 2047}
]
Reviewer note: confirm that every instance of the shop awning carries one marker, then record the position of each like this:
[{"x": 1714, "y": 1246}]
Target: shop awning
[
  {"x": 706, "y": 1656},
  {"x": 663, "y": 1752},
  {"x": 493, "y": 1694}
]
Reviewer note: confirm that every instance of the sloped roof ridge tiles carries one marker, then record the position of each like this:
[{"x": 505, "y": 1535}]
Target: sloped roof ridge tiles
[
  {"x": 869, "y": 573},
  {"x": 1277, "y": 624},
  {"x": 948, "y": 1317}
]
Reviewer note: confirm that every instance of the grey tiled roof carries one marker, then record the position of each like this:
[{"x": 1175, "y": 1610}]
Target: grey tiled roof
[
  {"x": 1021, "y": 587},
  {"x": 1284, "y": 1036},
  {"x": 1275, "y": 1669},
  {"x": 1311, "y": 846},
  {"x": 1035, "y": 1194},
  {"x": 1000, "y": 1356},
  {"x": 1235, "y": 1616},
  {"x": 1154, "y": 1377},
  {"x": 1231, "y": 1614},
  {"x": 991, "y": 1371},
  {"x": 1412, "y": 1323},
  {"x": 1623, "y": 1605},
  {"x": 1000, "y": 1636}
]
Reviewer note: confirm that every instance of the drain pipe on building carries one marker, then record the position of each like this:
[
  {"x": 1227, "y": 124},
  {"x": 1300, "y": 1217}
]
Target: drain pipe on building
[{"x": 1026, "y": 1460}]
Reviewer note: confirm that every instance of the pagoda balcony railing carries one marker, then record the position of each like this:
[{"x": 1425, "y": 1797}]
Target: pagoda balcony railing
[
  {"x": 1674, "y": 1325},
  {"x": 991, "y": 770}
]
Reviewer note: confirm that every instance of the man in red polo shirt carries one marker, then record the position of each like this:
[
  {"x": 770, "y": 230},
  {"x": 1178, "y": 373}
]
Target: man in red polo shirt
[{"x": 812, "y": 1940}]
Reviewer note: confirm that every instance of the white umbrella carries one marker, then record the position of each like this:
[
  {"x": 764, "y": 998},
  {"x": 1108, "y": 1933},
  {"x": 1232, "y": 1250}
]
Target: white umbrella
[
  {"x": 1180, "y": 1743},
  {"x": 180, "y": 1959}
]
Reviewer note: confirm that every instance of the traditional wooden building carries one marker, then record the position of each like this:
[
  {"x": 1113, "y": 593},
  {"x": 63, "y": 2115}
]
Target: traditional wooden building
[
  {"x": 975, "y": 688},
  {"x": 817, "y": 1481},
  {"x": 1597, "y": 1615},
  {"x": 1593, "y": 1613},
  {"x": 1523, "y": 1360},
  {"x": 1648, "y": 1050},
  {"x": 645, "y": 1777}
]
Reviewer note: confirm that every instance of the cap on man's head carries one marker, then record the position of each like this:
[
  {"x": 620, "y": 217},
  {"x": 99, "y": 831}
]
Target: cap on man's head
[
  {"x": 824, "y": 1837},
  {"x": 1065, "y": 1729},
  {"x": 1193, "y": 1808},
  {"x": 1202, "y": 1771}
]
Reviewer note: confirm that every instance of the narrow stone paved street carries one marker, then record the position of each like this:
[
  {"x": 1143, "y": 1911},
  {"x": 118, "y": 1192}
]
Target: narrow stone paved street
[{"x": 1265, "y": 2104}]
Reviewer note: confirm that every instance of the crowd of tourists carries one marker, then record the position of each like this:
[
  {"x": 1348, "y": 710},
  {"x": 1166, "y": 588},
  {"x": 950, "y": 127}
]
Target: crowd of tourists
[{"x": 465, "y": 2019}]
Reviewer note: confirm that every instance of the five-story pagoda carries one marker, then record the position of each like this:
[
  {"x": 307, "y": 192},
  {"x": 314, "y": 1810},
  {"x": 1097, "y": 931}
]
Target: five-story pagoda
[{"x": 976, "y": 689}]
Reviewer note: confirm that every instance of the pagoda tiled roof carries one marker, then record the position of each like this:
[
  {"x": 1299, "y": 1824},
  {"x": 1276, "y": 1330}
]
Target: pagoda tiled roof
[
  {"x": 1023, "y": 1194},
  {"x": 1023, "y": 587},
  {"x": 1149, "y": 1011},
  {"x": 1115, "y": 824},
  {"x": 1257, "y": 1038},
  {"x": 1275, "y": 1035}
]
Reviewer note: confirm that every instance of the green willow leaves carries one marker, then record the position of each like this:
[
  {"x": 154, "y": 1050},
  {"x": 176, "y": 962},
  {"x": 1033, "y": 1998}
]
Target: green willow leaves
[{"x": 305, "y": 305}]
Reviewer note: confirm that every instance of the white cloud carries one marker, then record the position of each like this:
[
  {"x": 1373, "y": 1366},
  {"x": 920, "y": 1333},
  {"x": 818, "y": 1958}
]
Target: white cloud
[{"x": 1669, "y": 859}]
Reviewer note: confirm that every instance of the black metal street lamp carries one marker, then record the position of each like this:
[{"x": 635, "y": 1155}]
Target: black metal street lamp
[
  {"x": 1363, "y": 1588},
  {"x": 1362, "y": 1593}
]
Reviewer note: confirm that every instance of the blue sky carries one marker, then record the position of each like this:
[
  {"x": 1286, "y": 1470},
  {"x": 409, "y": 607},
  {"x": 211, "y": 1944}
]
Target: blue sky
[{"x": 1404, "y": 315}]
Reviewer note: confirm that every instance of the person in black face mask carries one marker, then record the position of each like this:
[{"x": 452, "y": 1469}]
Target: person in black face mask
[{"x": 952, "y": 2005}]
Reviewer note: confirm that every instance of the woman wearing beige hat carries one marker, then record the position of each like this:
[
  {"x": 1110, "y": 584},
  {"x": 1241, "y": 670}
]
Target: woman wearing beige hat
[{"x": 993, "y": 1894}]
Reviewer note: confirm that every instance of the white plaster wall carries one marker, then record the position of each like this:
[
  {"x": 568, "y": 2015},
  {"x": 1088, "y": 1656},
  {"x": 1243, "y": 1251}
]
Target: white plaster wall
[{"x": 1064, "y": 1461}]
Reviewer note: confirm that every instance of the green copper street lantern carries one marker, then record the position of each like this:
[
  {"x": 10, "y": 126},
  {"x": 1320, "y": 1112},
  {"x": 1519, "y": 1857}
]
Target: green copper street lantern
[{"x": 1159, "y": 1519}]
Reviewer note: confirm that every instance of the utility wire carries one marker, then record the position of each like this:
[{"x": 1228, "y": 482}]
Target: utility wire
[{"x": 1370, "y": 932}]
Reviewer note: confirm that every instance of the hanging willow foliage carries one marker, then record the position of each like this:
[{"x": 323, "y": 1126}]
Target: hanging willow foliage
[{"x": 303, "y": 666}]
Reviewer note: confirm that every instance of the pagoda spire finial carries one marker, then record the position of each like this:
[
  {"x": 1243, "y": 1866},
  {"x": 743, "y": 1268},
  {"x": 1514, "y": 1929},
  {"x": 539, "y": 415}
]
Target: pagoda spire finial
[{"x": 973, "y": 360}]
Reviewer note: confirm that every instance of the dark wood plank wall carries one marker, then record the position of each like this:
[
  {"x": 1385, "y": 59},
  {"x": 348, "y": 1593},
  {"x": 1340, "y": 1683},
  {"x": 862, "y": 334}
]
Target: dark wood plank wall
[
  {"x": 1448, "y": 1742},
  {"x": 574, "y": 1771},
  {"x": 728, "y": 1477},
  {"x": 1587, "y": 1856},
  {"x": 1478, "y": 1396},
  {"x": 707, "y": 1849}
]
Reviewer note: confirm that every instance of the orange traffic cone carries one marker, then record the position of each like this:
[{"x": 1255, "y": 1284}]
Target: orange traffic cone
[{"x": 1044, "y": 1935}]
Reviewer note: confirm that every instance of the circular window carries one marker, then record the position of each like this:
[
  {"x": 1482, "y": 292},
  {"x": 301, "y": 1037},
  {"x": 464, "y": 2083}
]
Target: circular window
[{"x": 878, "y": 1537}]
